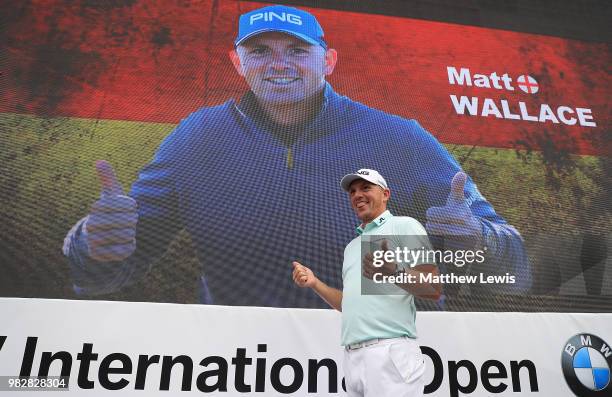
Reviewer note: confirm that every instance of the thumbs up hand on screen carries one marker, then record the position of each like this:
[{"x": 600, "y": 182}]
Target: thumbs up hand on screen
[
  {"x": 455, "y": 220},
  {"x": 110, "y": 227}
]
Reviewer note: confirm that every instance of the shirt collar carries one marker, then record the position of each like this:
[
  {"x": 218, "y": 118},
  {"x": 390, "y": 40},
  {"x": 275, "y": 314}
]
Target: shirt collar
[{"x": 377, "y": 222}]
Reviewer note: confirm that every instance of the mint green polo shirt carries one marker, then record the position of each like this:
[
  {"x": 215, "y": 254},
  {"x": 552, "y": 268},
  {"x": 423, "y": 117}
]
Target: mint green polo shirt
[{"x": 366, "y": 317}]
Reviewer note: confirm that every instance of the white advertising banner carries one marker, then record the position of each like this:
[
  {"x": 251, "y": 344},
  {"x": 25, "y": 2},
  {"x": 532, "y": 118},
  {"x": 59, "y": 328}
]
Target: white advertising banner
[{"x": 152, "y": 349}]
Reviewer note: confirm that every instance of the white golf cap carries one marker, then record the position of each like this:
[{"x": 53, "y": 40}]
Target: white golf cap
[{"x": 366, "y": 174}]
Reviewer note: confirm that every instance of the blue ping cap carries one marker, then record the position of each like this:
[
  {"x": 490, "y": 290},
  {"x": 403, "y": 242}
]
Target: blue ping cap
[{"x": 298, "y": 23}]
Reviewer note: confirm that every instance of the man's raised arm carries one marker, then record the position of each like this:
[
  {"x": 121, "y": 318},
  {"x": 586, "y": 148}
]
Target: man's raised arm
[{"x": 114, "y": 245}]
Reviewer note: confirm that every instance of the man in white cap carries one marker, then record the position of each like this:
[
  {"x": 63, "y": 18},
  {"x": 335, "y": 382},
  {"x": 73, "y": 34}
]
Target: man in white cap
[{"x": 382, "y": 357}]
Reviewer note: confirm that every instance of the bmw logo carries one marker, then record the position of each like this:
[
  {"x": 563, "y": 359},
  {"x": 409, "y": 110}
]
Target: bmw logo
[{"x": 586, "y": 361}]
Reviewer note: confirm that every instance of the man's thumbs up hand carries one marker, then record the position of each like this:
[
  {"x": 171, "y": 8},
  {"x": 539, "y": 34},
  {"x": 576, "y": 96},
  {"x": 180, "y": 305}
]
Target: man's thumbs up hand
[
  {"x": 455, "y": 220},
  {"x": 110, "y": 228},
  {"x": 303, "y": 276}
]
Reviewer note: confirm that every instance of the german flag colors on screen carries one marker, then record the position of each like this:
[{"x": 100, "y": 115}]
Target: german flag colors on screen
[
  {"x": 527, "y": 116},
  {"x": 159, "y": 61}
]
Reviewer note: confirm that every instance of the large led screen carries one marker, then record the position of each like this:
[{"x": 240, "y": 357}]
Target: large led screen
[{"x": 226, "y": 200}]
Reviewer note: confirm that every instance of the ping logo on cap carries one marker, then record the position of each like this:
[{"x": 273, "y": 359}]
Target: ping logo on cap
[
  {"x": 362, "y": 172},
  {"x": 293, "y": 21},
  {"x": 271, "y": 16}
]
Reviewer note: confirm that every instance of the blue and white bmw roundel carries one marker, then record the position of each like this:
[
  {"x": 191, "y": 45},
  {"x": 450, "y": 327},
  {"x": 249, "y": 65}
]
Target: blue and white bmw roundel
[
  {"x": 586, "y": 361},
  {"x": 591, "y": 368}
]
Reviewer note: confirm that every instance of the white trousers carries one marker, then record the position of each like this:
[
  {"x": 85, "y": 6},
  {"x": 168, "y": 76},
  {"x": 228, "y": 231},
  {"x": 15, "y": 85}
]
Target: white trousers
[{"x": 391, "y": 367}]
